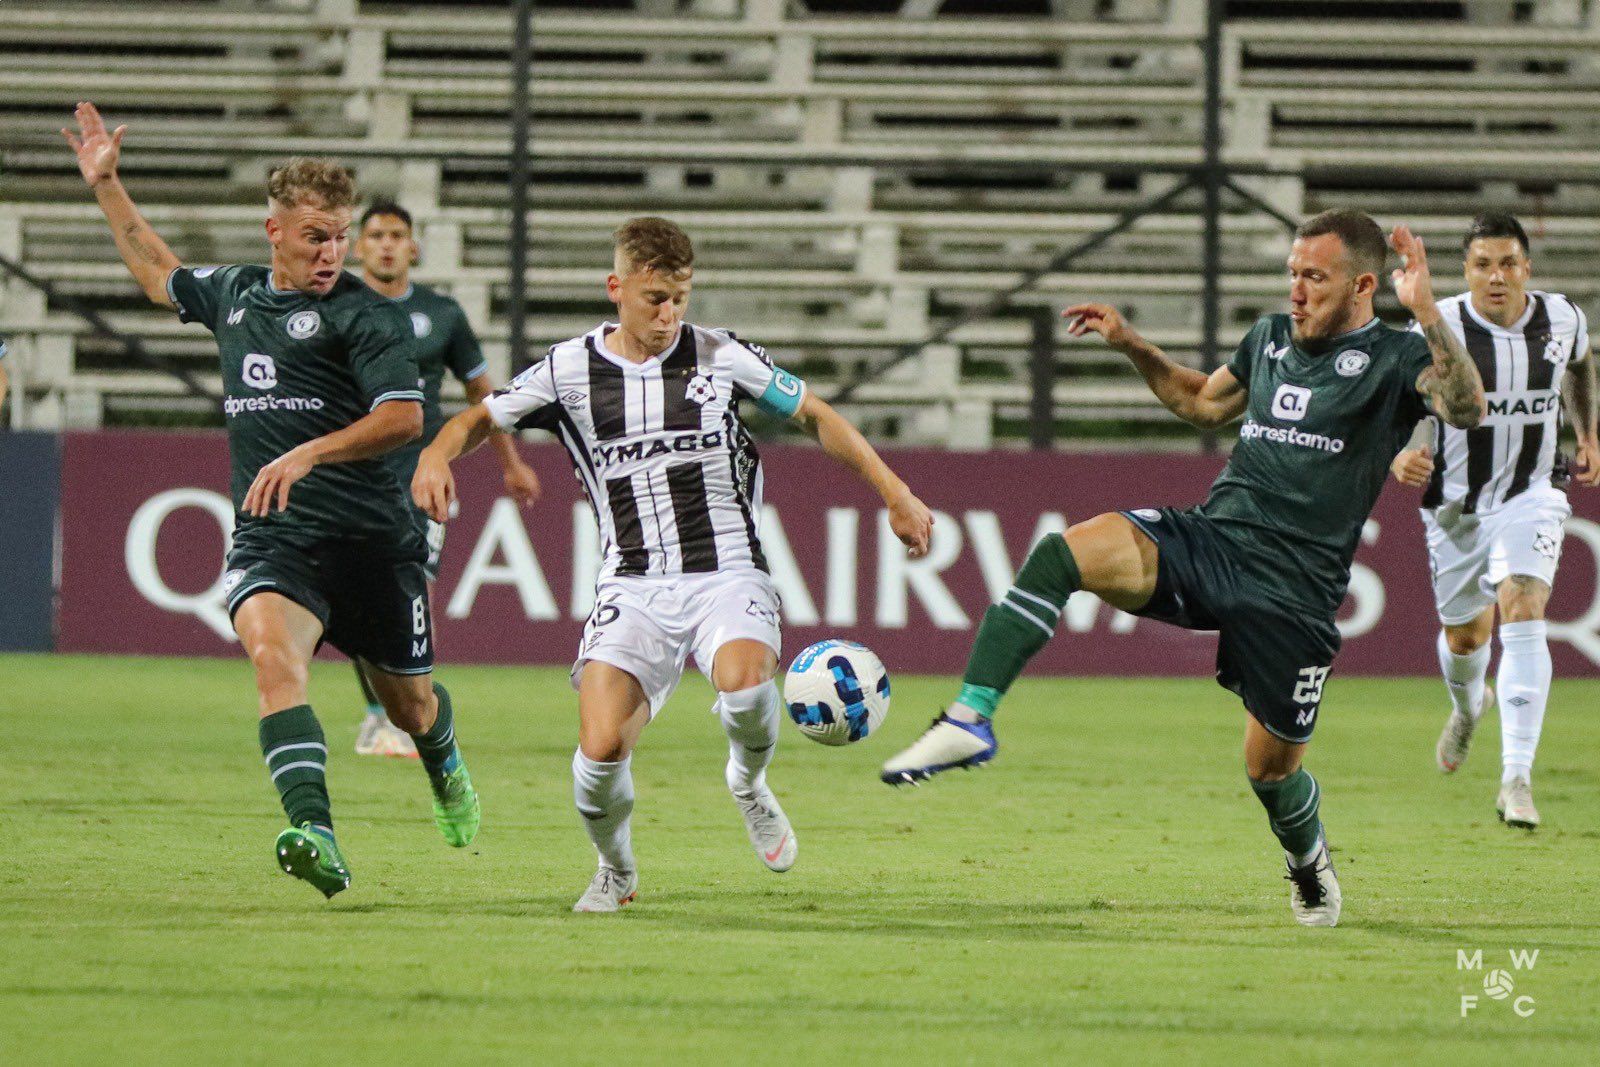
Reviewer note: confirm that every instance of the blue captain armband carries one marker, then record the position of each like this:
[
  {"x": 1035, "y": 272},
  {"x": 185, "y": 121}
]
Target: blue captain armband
[{"x": 783, "y": 395}]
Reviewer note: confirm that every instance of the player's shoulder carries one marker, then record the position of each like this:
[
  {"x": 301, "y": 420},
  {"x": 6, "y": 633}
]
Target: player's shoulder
[
  {"x": 1562, "y": 309},
  {"x": 721, "y": 342},
  {"x": 237, "y": 276},
  {"x": 353, "y": 301},
  {"x": 434, "y": 302},
  {"x": 1404, "y": 341}
]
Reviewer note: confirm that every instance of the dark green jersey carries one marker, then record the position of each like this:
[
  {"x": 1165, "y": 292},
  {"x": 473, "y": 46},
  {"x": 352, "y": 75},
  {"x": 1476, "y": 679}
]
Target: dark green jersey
[
  {"x": 1320, "y": 430},
  {"x": 445, "y": 341},
  {"x": 295, "y": 368}
]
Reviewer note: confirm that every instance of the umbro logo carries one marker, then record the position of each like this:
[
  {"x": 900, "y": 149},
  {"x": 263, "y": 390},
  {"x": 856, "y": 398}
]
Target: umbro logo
[
  {"x": 574, "y": 397},
  {"x": 1518, "y": 702}
]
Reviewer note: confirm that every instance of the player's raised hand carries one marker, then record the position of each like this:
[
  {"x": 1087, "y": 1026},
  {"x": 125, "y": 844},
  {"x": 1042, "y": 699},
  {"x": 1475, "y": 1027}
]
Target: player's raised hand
[
  {"x": 98, "y": 151},
  {"x": 270, "y": 490},
  {"x": 1102, "y": 319},
  {"x": 522, "y": 484},
  {"x": 1413, "y": 283},
  {"x": 1586, "y": 464},
  {"x": 1414, "y": 466},
  {"x": 912, "y": 522},
  {"x": 433, "y": 487}
]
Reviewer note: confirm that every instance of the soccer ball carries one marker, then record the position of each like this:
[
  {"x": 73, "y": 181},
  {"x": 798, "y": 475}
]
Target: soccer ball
[{"x": 837, "y": 692}]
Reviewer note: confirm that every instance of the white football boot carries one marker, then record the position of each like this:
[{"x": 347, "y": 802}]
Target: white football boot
[
  {"x": 769, "y": 829},
  {"x": 1451, "y": 751},
  {"x": 609, "y": 891},
  {"x": 1314, "y": 895},
  {"x": 1515, "y": 804},
  {"x": 947, "y": 744},
  {"x": 380, "y": 737}
]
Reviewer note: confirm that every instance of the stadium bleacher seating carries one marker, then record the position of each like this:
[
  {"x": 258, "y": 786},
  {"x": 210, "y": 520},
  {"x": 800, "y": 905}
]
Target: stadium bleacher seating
[{"x": 848, "y": 178}]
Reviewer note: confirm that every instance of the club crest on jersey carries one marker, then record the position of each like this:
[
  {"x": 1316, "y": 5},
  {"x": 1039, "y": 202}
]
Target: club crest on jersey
[
  {"x": 231, "y": 580},
  {"x": 204, "y": 272},
  {"x": 1351, "y": 362},
  {"x": 259, "y": 372},
  {"x": 700, "y": 389},
  {"x": 1555, "y": 350},
  {"x": 421, "y": 325},
  {"x": 303, "y": 324}
]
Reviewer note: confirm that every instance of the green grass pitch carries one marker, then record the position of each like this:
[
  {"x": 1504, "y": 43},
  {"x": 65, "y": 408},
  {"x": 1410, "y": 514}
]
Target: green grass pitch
[{"x": 1106, "y": 891}]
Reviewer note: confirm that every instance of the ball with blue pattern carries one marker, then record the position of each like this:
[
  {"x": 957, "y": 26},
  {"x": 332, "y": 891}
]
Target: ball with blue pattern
[{"x": 837, "y": 692}]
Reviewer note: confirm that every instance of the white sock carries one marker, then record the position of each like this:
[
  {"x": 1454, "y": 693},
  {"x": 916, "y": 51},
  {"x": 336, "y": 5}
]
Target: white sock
[
  {"x": 750, "y": 719},
  {"x": 603, "y": 793},
  {"x": 959, "y": 712},
  {"x": 1524, "y": 683},
  {"x": 1463, "y": 676}
]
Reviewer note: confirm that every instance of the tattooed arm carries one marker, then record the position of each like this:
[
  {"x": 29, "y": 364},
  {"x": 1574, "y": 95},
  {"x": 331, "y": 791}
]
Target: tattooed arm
[
  {"x": 1580, "y": 394},
  {"x": 1452, "y": 383},
  {"x": 147, "y": 256}
]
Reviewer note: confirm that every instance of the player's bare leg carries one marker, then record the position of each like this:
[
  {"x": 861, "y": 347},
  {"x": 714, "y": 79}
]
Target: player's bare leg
[
  {"x": 1524, "y": 682},
  {"x": 280, "y": 636},
  {"x": 422, "y": 708},
  {"x": 1292, "y": 799},
  {"x": 1464, "y": 661},
  {"x": 612, "y": 712},
  {"x": 1106, "y": 555},
  {"x": 749, "y": 706},
  {"x": 378, "y": 736}
]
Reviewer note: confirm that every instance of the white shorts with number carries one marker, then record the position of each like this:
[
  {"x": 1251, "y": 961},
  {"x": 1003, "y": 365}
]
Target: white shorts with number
[
  {"x": 649, "y": 625},
  {"x": 1470, "y": 555}
]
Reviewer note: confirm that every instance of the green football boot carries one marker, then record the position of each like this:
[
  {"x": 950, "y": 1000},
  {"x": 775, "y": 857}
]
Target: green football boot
[
  {"x": 312, "y": 856},
  {"x": 456, "y": 811}
]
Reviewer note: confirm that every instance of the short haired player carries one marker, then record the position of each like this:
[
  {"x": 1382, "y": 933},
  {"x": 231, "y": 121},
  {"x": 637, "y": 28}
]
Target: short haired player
[
  {"x": 1329, "y": 395},
  {"x": 648, "y": 408},
  {"x": 387, "y": 247},
  {"x": 319, "y": 382},
  {"x": 1493, "y": 502}
]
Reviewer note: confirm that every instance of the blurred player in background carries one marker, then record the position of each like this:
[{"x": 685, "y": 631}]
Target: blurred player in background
[
  {"x": 5, "y": 383},
  {"x": 1330, "y": 395},
  {"x": 1493, "y": 503},
  {"x": 388, "y": 250},
  {"x": 648, "y": 407},
  {"x": 319, "y": 382}
]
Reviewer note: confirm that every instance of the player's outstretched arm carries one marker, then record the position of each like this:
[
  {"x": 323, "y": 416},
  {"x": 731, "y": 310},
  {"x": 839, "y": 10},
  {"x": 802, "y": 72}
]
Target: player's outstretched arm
[
  {"x": 1452, "y": 383},
  {"x": 1206, "y": 401},
  {"x": 1582, "y": 401},
  {"x": 909, "y": 517},
  {"x": 521, "y": 482},
  {"x": 433, "y": 487},
  {"x": 386, "y": 427},
  {"x": 147, "y": 256}
]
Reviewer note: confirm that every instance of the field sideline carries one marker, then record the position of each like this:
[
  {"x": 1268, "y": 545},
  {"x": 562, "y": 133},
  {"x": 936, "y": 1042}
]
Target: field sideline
[{"x": 1107, "y": 891}]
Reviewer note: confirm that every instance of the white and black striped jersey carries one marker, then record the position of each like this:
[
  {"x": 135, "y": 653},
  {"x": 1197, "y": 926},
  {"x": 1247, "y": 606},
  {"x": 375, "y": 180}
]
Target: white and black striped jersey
[
  {"x": 672, "y": 475},
  {"x": 1514, "y": 448}
]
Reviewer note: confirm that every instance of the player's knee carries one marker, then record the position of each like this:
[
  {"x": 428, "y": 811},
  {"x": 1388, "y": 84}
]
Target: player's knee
[
  {"x": 277, "y": 667},
  {"x": 1522, "y": 599},
  {"x": 1464, "y": 642},
  {"x": 604, "y": 747}
]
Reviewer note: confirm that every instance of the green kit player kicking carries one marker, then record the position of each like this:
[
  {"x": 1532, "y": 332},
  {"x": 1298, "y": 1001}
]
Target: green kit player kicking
[
  {"x": 1329, "y": 395},
  {"x": 320, "y": 380},
  {"x": 388, "y": 250}
]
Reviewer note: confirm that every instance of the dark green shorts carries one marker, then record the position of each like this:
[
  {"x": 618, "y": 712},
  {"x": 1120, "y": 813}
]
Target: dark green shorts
[
  {"x": 372, "y": 605},
  {"x": 1274, "y": 653}
]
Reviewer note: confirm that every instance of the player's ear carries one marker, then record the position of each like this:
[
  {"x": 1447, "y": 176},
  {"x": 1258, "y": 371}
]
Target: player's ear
[
  {"x": 416, "y": 252},
  {"x": 1366, "y": 284},
  {"x": 274, "y": 230},
  {"x": 614, "y": 288}
]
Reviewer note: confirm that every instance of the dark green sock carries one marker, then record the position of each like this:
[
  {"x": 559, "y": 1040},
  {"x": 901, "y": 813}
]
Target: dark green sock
[
  {"x": 437, "y": 747},
  {"x": 1018, "y": 627},
  {"x": 297, "y": 758},
  {"x": 374, "y": 705},
  {"x": 1292, "y": 806}
]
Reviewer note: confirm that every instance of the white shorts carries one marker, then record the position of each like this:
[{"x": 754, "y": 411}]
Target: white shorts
[
  {"x": 1472, "y": 554},
  {"x": 647, "y": 626}
]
